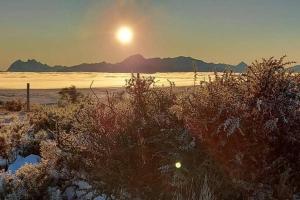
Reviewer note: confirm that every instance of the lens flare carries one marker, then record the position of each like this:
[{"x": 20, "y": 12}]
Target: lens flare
[{"x": 178, "y": 165}]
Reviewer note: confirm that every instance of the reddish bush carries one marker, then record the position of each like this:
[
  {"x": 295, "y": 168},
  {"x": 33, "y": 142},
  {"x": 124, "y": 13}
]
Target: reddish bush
[{"x": 250, "y": 123}]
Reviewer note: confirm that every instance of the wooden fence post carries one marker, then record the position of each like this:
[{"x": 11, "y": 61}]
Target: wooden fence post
[{"x": 28, "y": 97}]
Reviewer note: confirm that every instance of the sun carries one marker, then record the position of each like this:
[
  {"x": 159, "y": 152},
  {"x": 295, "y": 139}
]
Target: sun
[{"x": 124, "y": 35}]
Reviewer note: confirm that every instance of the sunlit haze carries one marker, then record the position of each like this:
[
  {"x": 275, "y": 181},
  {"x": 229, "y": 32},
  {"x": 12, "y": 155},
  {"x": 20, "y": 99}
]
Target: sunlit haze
[{"x": 61, "y": 32}]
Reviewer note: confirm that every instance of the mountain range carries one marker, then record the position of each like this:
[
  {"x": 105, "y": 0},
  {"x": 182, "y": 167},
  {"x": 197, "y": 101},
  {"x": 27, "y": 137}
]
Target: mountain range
[
  {"x": 296, "y": 68},
  {"x": 135, "y": 63}
]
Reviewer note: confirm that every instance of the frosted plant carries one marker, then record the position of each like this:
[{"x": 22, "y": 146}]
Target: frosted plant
[
  {"x": 2, "y": 183},
  {"x": 230, "y": 125},
  {"x": 165, "y": 169},
  {"x": 263, "y": 106},
  {"x": 129, "y": 145},
  {"x": 203, "y": 192},
  {"x": 54, "y": 193},
  {"x": 271, "y": 125},
  {"x": 206, "y": 193},
  {"x": 258, "y": 104}
]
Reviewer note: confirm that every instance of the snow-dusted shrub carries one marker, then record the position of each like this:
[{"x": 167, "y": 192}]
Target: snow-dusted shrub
[
  {"x": 127, "y": 148},
  {"x": 3, "y": 145},
  {"x": 13, "y": 140},
  {"x": 250, "y": 123},
  {"x": 30, "y": 182},
  {"x": 13, "y": 105},
  {"x": 49, "y": 118},
  {"x": 44, "y": 180},
  {"x": 238, "y": 132},
  {"x": 69, "y": 95}
]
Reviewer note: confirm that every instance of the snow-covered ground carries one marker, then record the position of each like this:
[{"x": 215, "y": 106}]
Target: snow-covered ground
[
  {"x": 7, "y": 118},
  {"x": 47, "y": 96}
]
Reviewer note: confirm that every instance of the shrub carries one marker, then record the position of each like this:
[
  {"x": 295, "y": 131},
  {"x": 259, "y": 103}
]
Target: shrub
[
  {"x": 30, "y": 182},
  {"x": 69, "y": 95},
  {"x": 128, "y": 149},
  {"x": 236, "y": 137},
  {"x": 250, "y": 124},
  {"x": 49, "y": 118},
  {"x": 3, "y": 145},
  {"x": 13, "y": 105}
]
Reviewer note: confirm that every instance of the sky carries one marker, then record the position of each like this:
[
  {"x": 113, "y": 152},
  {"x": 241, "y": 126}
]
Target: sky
[{"x": 70, "y": 32}]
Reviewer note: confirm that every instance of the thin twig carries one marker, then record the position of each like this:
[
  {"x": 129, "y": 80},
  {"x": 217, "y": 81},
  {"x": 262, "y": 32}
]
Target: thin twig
[{"x": 98, "y": 99}]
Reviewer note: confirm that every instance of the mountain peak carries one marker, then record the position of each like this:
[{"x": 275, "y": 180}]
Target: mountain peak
[
  {"x": 32, "y": 61},
  {"x": 135, "y": 57},
  {"x": 30, "y": 65},
  {"x": 242, "y": 64},
  {"x": 29, "y": 61},
  {"x": 17, "y": 62},
  {"x": 241, "y": 67}
]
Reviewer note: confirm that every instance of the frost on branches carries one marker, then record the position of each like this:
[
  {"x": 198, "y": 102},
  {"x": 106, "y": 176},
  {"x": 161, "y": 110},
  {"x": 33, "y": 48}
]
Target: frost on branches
[{"x": 234, "y": 137}]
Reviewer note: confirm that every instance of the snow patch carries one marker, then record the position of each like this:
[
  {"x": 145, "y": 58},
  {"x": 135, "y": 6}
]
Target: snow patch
[{"x": 21, "y": 161}]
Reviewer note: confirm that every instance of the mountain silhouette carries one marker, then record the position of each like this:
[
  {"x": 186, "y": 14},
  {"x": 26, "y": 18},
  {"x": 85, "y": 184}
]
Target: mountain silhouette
[
  {"x": 134, "y": 63},
  {"x": 241, "y": 67},
  {"x": 296, "y": 68},
  {"x": 33, "y": 66}
]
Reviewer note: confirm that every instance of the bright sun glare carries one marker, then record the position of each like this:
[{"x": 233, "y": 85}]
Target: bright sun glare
[{"x": 124, "y": 34}]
